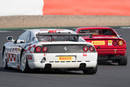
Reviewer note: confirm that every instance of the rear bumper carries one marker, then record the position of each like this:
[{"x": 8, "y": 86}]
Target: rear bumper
[
  {"x": 40, "y": 60},
  {"x": 111, "y": 52},
  {"x": 65, "y": 65}
]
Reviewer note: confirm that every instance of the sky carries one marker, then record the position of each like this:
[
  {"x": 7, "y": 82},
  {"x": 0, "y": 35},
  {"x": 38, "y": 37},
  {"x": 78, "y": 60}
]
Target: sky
[{"x": 21, "y": 7}]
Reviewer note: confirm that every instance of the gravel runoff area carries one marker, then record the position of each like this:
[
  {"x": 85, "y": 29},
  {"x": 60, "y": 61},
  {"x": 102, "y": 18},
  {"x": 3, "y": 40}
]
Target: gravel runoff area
[{"x": 62, "y": 21}]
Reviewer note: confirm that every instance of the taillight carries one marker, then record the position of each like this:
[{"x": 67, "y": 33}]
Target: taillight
[
  {"x": 115, "y": 43},
  {"x": 120, "y": 42},
  {"x": 85, "y": 48},
  {"x": 38, "y": 49},
  {"x": 44, "y": 49},
  {"x": 91, "y": 49}
]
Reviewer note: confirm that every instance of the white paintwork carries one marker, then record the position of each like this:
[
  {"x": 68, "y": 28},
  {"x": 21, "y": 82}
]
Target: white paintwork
[
  {"x": 90, "y": 60},
  {"x": 21, "y": 7}
]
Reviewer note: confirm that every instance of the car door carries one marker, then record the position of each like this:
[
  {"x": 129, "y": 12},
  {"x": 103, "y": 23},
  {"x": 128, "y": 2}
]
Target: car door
[{"x": 17, "y": 47}]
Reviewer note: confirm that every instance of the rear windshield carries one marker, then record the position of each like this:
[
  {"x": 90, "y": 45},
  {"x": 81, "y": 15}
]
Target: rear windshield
[
  {"x": 57, "y": 38},
  {"x": 98, "y": 32}
]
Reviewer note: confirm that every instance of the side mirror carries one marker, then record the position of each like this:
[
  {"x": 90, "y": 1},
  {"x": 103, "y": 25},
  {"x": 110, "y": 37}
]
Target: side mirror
[
  {"x": 10, "y": 38},
  {"x": 20, "y": 41}
]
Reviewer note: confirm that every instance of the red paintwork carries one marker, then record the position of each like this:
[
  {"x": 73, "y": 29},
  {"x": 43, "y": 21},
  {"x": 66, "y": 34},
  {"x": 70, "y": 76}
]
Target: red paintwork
[{"x": 106, "y": 49}]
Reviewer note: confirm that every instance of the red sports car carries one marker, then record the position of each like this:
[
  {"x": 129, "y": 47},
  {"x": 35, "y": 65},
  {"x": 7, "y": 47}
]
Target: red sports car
[{"x": 109, "y": 45}]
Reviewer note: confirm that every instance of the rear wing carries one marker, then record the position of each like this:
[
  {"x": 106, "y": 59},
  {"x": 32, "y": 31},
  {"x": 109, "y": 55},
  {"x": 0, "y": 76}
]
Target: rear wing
[{"x": 65, "y": 34}]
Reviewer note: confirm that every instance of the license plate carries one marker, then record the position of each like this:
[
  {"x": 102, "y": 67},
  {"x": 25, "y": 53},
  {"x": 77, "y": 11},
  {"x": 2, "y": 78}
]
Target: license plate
[
  {"x": 65, "y": 58},
  {"x": 98, "y": 42}
]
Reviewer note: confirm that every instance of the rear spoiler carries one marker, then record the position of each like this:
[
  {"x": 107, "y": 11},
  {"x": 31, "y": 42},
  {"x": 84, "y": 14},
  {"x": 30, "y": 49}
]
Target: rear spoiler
[{"x": 64, "y": 34}]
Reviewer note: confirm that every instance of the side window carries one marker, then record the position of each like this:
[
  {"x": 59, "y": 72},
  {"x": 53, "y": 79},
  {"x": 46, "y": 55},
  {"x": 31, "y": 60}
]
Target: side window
[
  {"x": 32, "y": 37},
  {"x": 25, "y": 37},
  {"x": 28, "y": 37},
  {"x": 21, "y": 37}
]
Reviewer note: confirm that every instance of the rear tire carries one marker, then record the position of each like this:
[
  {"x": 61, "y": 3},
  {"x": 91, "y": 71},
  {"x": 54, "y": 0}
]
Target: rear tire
[
  {"x": 90, "y": 70},
  {"x": 24, "y": 67},
  {"x": 4, "y": 60},
  {"x": 122, "y": 60},
  {"x": 4, "y": 64}
]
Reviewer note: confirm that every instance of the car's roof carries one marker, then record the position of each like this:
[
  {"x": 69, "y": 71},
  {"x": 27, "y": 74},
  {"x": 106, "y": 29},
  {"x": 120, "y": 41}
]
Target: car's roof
[{"x": 35, "y": 31}]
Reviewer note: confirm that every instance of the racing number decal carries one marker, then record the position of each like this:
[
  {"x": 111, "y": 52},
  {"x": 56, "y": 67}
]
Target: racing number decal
[
  {"x": 109, "y": 42},
  {"x": 11, "y": 57},
  {"x": 13, "y": 54}
]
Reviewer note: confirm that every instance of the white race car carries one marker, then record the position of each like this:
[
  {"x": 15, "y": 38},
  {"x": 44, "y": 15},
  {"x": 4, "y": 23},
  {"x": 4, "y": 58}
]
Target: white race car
[{"x": 49, "y": 49}]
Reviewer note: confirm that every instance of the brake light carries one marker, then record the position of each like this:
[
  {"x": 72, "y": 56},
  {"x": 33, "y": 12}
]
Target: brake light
[
  {"x": 44, "y": 49},
  {"x": 85, "y": 48},
  {"x": 38, "y": 49},
  {"x": 115, "y": 43},
  {"x": 52, "y": 31},
  {"x": 120, "y": 42},
  {"x": 91, "y": 49}
]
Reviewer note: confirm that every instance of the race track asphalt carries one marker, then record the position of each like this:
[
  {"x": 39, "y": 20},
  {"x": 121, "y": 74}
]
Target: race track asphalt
[{"x": 108, "y": 75}]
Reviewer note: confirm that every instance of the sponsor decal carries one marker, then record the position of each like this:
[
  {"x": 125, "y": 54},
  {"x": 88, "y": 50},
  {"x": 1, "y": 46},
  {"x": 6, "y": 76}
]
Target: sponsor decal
[
  {"x": 65, "y": 58},
  {"x": 109, "y": 42},
  {"x": 98, "y": 42},
  {"x": 84, "y": 54}
]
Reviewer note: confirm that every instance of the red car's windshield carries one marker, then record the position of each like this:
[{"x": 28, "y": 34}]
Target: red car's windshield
[{"x": 99, "y": 32}]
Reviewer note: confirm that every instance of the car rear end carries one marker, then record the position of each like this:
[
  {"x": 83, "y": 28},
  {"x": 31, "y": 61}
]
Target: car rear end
[
  {"x": 63, "y": 55},
  {"x": 108, "y": 44}
]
